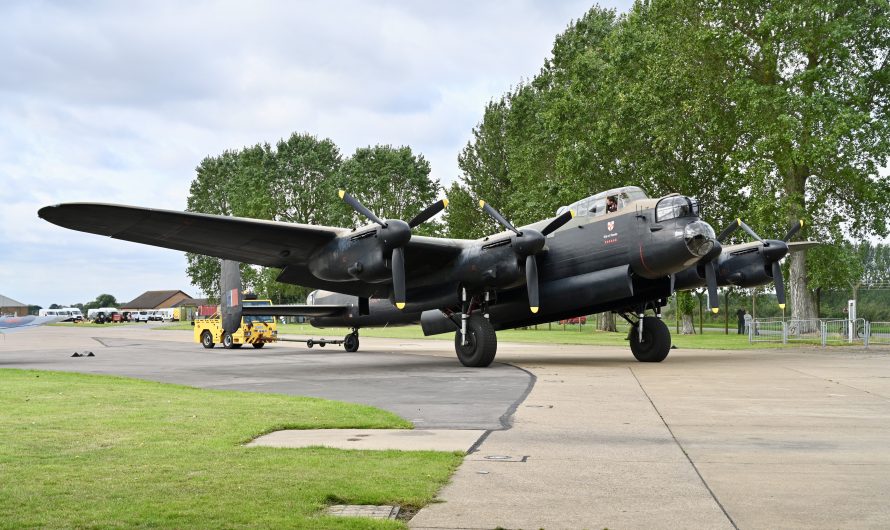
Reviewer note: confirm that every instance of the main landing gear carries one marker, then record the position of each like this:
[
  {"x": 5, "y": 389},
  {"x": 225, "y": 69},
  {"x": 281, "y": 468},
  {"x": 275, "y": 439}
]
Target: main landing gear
[
  {"x": 650, "y": 338},
  {"x": 475, "y": 342}
]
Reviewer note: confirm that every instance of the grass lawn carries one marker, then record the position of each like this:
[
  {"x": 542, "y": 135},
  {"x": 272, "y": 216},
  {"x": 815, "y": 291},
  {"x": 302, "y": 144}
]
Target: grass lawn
[
  {"x": 713, "y": 340},
  {"x": 98, "y": 451}
]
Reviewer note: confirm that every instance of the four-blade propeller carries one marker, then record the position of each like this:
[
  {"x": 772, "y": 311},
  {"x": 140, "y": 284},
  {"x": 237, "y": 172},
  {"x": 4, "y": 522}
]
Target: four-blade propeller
[
  {"x": 528, "y": 243},
  {"x": 773, "y": 250},
  {"x": 395, "y": 234}
]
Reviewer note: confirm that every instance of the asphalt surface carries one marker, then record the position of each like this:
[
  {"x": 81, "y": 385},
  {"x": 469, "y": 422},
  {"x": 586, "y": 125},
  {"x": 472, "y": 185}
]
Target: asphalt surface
[
  {"x": 707, "y": 439},
  {"x": 432, "y": 392}
]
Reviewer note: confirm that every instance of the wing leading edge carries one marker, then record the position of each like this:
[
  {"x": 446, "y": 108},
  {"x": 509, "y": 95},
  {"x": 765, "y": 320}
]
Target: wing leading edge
[{"x": 267, "y": 243}]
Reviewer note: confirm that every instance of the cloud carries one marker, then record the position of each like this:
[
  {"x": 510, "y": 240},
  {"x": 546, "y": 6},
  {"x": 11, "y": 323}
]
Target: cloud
[{"x": 119, "y": 101}]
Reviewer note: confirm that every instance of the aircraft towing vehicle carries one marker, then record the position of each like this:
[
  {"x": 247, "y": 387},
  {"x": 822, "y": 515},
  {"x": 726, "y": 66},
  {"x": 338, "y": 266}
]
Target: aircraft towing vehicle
[
  {"x": 256, "y": 330},
  {"x": 618, "y": 251}
]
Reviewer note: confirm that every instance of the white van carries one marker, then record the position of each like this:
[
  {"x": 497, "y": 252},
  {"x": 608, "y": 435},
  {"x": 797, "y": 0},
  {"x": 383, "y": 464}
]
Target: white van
[
  {"x": 76, "y": 314},
  {"x": 165, "y": 314}
]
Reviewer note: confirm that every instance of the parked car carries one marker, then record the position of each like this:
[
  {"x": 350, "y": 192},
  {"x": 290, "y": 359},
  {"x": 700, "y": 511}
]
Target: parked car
[{"x": 140, "y": 316}]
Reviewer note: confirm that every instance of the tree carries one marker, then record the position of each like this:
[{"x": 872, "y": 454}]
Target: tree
[
  {"x": 771, "y": 111},
  {"x": 810, "y": 84},
  {"x": 293, "y": 183},
  {"x": 605, "y": 321},
  {"x": 394, "y": 183},
  {"x": 686, "y": 306},
  {"x": 303, "y": 185},
  {"x": 103, "y": 300}
]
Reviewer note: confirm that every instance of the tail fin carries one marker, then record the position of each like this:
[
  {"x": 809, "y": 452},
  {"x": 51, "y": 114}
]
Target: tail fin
[{"x": 230, "y": 295}]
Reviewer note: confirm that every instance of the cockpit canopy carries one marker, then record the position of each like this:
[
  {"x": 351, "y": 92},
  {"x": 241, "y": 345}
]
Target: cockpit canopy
[
  {"x": 595, "y": 205},
  {"x": 674, "y": 206}
]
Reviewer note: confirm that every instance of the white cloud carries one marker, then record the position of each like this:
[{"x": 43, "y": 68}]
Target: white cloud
[{"x": 119, "y": 101}]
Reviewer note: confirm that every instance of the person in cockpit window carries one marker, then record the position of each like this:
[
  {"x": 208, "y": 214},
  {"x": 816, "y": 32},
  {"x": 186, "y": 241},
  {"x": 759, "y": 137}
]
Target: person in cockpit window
[{"x": 611, "y": 204}]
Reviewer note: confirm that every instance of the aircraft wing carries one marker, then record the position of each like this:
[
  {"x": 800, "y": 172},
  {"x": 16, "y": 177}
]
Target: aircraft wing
[
  {"x": 797, "y": 246},
  {"x": 259, "y": 242},
  {"x": 287, "y": 246},
  {"x": 28, "y": 321},
  {"x": 296, "y": 310}
]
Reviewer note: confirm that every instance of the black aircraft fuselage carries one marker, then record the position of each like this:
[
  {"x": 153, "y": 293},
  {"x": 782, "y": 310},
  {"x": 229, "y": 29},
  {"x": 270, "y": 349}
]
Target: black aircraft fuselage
[
  {"x": 619, "y": 261},
  {"x": 620, "y": 253}
]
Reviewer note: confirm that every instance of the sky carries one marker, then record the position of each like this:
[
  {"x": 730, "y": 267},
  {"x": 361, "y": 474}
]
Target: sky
[{"x": 118, "y": 102}]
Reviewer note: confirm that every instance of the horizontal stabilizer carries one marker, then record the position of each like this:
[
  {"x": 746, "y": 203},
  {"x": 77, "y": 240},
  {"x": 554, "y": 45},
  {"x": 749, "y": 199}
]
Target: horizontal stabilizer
[{"x": 296, "y": 310}]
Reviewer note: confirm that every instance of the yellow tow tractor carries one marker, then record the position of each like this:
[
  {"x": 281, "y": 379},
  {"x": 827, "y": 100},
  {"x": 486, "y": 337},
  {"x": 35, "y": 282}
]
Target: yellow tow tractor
[{"x": 254, "y": 330}]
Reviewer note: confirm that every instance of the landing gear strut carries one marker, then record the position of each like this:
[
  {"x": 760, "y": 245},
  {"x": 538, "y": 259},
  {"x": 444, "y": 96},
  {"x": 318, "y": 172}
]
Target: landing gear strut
[{"x": 475, "y": 342}]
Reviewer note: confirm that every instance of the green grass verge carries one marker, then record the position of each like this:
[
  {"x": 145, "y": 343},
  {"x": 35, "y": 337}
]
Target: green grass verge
[
  {"x": 711, "y": 340},
  {"x": 97, "y": 451}
]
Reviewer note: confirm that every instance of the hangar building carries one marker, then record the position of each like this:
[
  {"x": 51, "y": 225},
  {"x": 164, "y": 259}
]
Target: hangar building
[{"x": 8, "y": 306}]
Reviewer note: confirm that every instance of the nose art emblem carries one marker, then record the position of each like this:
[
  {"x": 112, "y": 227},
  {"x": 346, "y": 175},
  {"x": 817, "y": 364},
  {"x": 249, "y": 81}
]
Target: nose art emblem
[{"x": 610, "y": 225}]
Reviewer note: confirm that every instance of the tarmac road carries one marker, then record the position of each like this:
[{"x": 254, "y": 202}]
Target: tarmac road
[
  {"x": 706, "y": 439},
  {"x": 432, "y": 392}
]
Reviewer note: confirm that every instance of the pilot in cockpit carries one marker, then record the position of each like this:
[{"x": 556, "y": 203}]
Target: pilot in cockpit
[{"x": 611, "y": 204}]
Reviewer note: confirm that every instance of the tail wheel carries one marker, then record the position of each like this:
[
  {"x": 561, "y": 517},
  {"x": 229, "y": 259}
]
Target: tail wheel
[
  {"x": 482, "y": 343},
  {"x": 228, "y": 341},
  {"x": 656, "y": 343},
  {"x": 350, "y": 342},
  {"x": 207, "y": 339}
]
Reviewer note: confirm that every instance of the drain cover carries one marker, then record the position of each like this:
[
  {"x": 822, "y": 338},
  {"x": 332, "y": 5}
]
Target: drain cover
[{"x": 363, "y": 510}]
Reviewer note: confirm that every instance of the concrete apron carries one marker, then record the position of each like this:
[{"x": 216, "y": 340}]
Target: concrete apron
[{"x": 587, "y": 450}]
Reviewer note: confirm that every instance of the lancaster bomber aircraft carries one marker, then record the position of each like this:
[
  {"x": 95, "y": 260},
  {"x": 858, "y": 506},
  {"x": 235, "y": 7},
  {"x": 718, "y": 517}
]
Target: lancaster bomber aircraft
[{"x": 614, "y": 251}]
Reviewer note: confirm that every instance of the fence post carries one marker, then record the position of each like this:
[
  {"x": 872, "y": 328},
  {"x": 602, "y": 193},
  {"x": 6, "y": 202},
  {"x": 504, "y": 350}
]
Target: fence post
[
  {"x": 784, "y": 332},
  {"x": 823, "y": 329},
  {"x": 867, "y": 332}
]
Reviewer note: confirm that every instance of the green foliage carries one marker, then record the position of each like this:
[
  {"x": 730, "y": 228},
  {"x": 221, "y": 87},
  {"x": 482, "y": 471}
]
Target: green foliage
[
  {"x": 103, "y": 300},
  {"x": 686, "y": 303},
  {"x": 297, "y": 182},
  {"x": 394, "y": 183},
  {"x": 116, "y": 452},
  {"x": 770, "y": 111}
]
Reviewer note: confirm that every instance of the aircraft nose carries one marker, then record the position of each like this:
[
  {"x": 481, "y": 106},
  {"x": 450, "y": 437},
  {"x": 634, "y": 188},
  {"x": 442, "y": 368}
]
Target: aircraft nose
[{"x": 700, "y": 238}]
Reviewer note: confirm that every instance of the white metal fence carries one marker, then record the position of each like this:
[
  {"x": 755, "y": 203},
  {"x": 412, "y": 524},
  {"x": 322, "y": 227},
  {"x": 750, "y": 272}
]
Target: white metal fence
[
  {"x": 819, "y": 331},
  {"x": 766, "y": 330},
  {"x": 879, "y": 332}
]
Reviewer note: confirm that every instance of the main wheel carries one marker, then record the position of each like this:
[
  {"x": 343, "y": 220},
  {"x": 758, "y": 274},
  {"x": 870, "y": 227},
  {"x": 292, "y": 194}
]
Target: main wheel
[
  {"x": 482, "y": 343},
  {"x": 350, "y": 342},
  {"x": 207, "y": 339},
  {"x": 656, "y": 343},
  {"x": 228, "y": 341}
]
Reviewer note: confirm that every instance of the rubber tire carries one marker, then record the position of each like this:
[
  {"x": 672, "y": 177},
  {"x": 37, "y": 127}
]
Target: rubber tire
[
  {"x": 482, "y": 343},
  {"x": 227, "y": 341},
  {"x": 207, "y": 340},
  {"x": 656, "y": 343},
  {"x": 258, "y": 345},
  {"x": 350, "y": 343}
]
